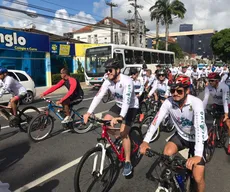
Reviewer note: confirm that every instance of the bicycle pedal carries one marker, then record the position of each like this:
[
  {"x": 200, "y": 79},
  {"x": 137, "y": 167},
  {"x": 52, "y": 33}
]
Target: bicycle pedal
[{"x": 161, "y": 189}]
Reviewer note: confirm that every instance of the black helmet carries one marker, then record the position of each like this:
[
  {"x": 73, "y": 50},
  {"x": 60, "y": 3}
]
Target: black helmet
[
  {"x": 144, "y": 66},
  {"x": 112, "y": 63},
  {"x": 161, "y": 72},
  {"x": 133, "y": 71}
]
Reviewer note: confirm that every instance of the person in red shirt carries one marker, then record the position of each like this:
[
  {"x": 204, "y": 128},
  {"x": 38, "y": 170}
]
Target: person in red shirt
[{"x": 74, "y": 95}]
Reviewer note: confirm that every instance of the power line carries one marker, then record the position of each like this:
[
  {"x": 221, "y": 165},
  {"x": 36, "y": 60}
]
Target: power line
[{"x": 42, "y": 8}]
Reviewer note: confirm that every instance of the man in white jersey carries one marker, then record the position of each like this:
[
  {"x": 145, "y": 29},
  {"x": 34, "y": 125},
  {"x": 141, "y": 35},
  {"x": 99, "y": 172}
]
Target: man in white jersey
[
  {"x": 150, "y": 78},
  {"x": 195, "y": 76},
  {"x": 11, "y": 85},
  {"x": 174, "y": 70},
  {"x": 220, "y": 93},
  {"x": 138, "y": 83},
  {"x": 187, "y": 114},
  {"x": 121, "y": 86},
  {"x": 160, "y": 86}
]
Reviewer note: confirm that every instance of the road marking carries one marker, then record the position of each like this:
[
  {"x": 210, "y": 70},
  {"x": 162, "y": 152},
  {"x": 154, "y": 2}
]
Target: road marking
[{"x": 50, "y": 175}]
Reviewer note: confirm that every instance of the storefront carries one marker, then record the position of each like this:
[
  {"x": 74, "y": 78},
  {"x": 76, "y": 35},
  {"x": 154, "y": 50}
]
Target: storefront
[
  {"x": 62, "y": 55},
  {"x": 28, "y": 52}
]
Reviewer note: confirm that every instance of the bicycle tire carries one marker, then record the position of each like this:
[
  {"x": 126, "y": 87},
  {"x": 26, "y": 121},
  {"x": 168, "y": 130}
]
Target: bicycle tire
[
  {"x": 136, "y": 137},
  {"x": 28, "y": 117},
  {"x": 78, "y": 123},
  {"x": 211, "y": 144},
  {"x": 111, "y": 168},
  {"x": 41, "y": 119},
  {"x": 107, "y": 97},
  {"x": 190, "y": 184},
  {"x": 143, "y": 108}
]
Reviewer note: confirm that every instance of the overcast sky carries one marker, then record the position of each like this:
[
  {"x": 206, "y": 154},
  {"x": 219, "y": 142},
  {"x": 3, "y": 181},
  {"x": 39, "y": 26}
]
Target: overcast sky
[{"x": 203, "y": 14}]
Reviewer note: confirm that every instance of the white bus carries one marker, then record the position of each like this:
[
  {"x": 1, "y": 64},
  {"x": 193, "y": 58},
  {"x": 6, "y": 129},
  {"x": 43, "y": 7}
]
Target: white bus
[{"x": 95, "y": 58}]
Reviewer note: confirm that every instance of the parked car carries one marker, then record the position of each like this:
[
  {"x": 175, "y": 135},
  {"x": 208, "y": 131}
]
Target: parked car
[{"x": 26, "y": 81}]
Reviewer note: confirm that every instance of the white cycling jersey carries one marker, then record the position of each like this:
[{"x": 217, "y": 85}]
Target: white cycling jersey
[
  {"x": 220, "y": 95},
  {"x": 203, "y": 74},
  {"x": 195, "y": 74},
  {"x": 138, "y": 86},
  {"x": 122, "y": 91},
  {"x": 161, "y": 87},
  {"x": 151, "y": 79},
  {"x": 189, "y": 121},
  {"x": 174, "y": 71},
  {"x": 11, "y": 85}
]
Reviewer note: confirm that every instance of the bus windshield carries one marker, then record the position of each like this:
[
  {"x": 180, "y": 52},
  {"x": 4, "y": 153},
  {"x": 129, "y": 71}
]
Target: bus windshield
[{"x": 95, "y": 59}]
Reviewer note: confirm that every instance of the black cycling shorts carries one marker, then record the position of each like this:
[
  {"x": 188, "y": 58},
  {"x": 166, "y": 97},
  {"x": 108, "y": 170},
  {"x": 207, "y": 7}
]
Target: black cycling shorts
[
  {"x": 72, "y": 100},
  {"x": 130, "y": 116},
  {"x": 183, "y": 144}
]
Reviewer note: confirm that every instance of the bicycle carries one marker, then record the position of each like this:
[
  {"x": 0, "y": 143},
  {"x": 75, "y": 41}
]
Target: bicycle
[
  {"x": 218, "y": 133},
  {"x": 104, "y": 161},
  {"x": 107, "y": 97},
  {"x": 174, "y": 177},
  {"x": 45, "y": 121},
  {"x": 24, "y": 116}
]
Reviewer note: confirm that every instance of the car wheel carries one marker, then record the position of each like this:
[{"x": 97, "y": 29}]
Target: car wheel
[{"x": 29, "y": 98}]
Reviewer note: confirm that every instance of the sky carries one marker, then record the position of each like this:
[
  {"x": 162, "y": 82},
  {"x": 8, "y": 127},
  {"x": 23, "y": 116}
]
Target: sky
[{"x": 203, "y": 14}]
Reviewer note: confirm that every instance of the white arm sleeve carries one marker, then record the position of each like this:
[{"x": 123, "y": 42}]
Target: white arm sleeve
[
  {"x": 154, "y": 87},
  {"x": 225, "y": 96},
  {"x": 157, "y": 120},
  {"x": 96, "y": 100},
  {"x": 206, "y": 96},
  {"x": 200, "y": 128},
  {"x": 6, "y": 85},
  {"x": 142, "y": 87},
  {"x": 128, "y": 91}
]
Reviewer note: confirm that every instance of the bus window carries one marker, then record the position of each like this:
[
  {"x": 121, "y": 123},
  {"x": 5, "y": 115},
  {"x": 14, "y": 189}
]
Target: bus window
[
  {"x": 119, "y": 57},
  {"x": 138, "y": 57},
  {"x": 167, "y": 59},
  {"x": 162, "y": 58},
  {"x": 147, "y": 57},
  {"x": 128, "y": 56},
  {"x": 154, "y": 58},
  {"x": 172, "y": 59}
]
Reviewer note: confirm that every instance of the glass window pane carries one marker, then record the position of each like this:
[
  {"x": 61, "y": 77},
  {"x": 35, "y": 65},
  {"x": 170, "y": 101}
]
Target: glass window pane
[
  {"x": 21, "y": 77},
  {"x": 129, "y": 57},
  {"x": 138, "y": 57},
  {"x": 147, "y": 57},
  {"x": 154, "y": 58},
  {"x": 162, "y": 58},
  {"x": 119, "y": 57},
  {"x": 12, "y": 75}
]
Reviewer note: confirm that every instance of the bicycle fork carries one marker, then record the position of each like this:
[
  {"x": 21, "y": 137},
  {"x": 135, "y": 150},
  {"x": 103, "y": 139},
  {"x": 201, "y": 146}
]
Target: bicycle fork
[{"x": 103, "y": 149}]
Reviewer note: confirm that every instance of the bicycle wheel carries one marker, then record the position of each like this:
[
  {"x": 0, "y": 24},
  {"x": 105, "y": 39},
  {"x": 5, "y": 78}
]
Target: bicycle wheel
[
  {"x": 223, "y": 132},
  {"x": 211, "y": 144},
  {"x": 143, "y": 108},
  {"x": 190, "y": 184},
  {"x": 25, "y": 116},
  {"x": 168, "y": 126},
  {"x": 106, "y": 97},
  {"x": 136, "y": 139},
  {"x": 78, "y": 123},
  {"x": 40, "y": 127},
  {"x": 87, "y": 175}
]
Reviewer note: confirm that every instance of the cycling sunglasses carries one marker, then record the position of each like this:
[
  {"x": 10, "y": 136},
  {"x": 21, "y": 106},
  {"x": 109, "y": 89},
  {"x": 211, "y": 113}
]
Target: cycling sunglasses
[
  {"x": 108, "y": 70},
  {"x": 179, "y": 91},
  {"x": 161, "y": 75},
  {"x": 211, "y": 80}
]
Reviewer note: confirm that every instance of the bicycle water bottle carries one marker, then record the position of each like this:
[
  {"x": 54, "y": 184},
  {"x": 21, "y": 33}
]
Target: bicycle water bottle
[{"x": 179, "y": 179}]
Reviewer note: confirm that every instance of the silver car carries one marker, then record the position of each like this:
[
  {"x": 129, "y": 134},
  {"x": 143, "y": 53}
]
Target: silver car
[{"x": 23, "y": 78}]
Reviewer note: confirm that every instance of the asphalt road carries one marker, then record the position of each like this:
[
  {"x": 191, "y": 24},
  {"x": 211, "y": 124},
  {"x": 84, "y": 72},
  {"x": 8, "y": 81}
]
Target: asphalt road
[{"x": 50, "y": 165}]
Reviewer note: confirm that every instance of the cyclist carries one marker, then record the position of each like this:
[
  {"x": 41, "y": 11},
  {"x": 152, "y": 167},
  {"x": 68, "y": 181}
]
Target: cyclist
[
  {"x": 220, "y": 93},
  {"x": 138, "y": 83},
  {"x": 143, "y": 73},
  {"x": 121, "y": 86},
  {"x": 11, "y": 85},
  {"x": 74, "y": 95},
  {"x": 174, "y": 70},
  {"x": 160, "y": 86},
  {"x": 150, "y": 78},
  {"x": 195, "y": 76},
  {"x": 187, "y": 114}
]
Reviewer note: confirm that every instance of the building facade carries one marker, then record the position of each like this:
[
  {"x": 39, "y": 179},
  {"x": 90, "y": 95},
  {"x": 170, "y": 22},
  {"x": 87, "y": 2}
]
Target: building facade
[{"x": 100, "y": 33}]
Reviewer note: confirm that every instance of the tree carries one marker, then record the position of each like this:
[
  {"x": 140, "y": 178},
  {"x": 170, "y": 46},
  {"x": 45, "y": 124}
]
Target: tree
[
  {"x": 220, "y": 43},
  {"x": 174, "y": 47},
  {"x": 163, "y": 10}
]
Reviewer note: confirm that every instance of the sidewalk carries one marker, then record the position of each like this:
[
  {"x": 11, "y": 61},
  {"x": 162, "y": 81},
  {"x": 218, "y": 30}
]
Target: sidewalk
[{"x": 61, "y": 90}]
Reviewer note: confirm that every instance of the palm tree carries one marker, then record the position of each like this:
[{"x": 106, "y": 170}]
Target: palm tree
[
  {"x": 165, "y": 10},
  {"x": 155, "y": 15}
]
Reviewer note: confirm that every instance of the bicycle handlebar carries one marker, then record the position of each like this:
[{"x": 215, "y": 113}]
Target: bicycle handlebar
[{"x": 105, "y": 122}]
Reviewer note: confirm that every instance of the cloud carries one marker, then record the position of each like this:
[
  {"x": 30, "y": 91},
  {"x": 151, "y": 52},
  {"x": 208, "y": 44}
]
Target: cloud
[
  {"x": 205, "y": 14},
  {"x": 20, "y": 20}
]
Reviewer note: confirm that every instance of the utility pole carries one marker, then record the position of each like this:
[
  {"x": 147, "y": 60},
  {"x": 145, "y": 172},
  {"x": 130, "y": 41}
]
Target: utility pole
[
  {"x": 136, "y": 31},
  {"x": 111, "y": 17}
]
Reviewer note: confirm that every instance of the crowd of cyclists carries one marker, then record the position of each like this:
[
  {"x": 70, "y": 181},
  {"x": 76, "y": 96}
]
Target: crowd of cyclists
[{"x": 173, "y": 87}]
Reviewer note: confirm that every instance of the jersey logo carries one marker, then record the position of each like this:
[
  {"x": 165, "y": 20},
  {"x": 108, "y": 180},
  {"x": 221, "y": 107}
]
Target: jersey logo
[
  {"x": 190, "y": 108},
  {"x": 120, "y": 86}
]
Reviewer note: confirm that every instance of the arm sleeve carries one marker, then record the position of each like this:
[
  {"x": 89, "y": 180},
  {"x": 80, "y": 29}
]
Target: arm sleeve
[
  {"x": 225, "y": 96},
  {"x": 167, "y": 92},
  {"x": 157, "y": 120},
  {"x": 206, "y": 96},
  {"x": 96, "y": 100},
  {"x": 154, "y": 87},
  {"x": 55, "y": 87},
  {"x": 6, "y": 86},
  {"x": 200, "y": 128},
  {"x": 127, "y": 94},
  {"x": 142, "y": 87},
  {"x": 72, "y": 88}
]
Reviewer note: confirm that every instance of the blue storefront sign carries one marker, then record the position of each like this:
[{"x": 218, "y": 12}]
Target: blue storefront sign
[
  {"x": 23, "y": 41},
  {"x": 62, "y": 49}
]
